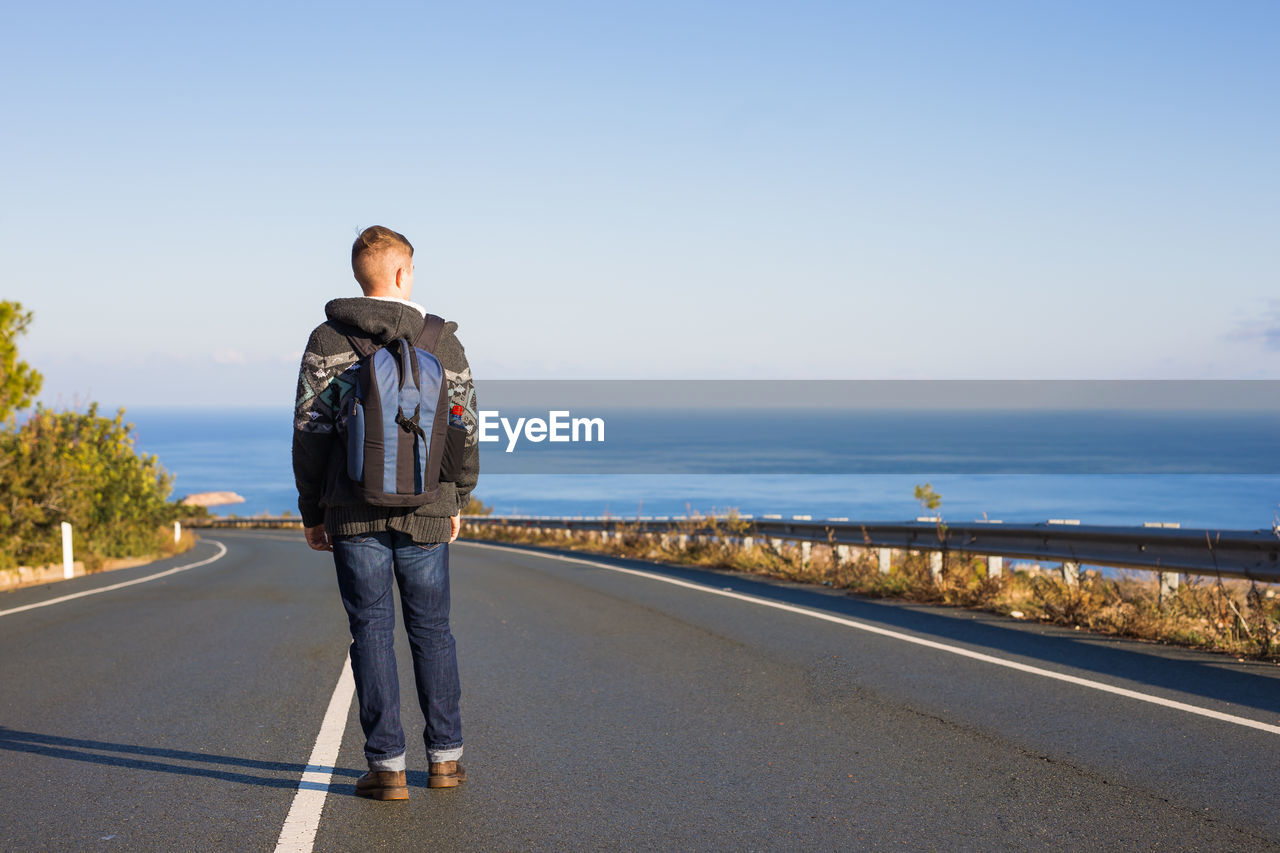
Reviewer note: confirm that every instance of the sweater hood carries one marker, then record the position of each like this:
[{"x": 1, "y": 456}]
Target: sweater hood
[{"x": 380, "y": 319}]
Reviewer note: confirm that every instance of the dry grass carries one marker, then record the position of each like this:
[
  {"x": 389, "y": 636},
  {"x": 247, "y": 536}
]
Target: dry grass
[{"x": 1232, "y": 616}]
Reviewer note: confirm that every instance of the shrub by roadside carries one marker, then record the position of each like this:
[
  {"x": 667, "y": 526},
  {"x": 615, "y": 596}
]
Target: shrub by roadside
[
  {"x": 81, "y": 468},
  {"x": 74, "y": 467}
]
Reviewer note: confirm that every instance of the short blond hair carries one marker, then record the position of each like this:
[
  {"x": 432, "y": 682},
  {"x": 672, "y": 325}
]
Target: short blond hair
[{"x": 373, "y": 254}]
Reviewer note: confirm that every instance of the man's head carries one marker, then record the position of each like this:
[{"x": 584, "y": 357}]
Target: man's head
[{"x": 382, "y": 261}]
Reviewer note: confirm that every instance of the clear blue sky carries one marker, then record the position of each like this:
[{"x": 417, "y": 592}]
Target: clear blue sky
[{"x": 648, "y": 189}]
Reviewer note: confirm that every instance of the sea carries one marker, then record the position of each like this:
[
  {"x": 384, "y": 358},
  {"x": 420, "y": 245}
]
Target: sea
[{"x": 1112, "y": 468}]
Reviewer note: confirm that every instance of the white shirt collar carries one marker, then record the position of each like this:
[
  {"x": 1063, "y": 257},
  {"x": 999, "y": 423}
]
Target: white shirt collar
[{"x": 415, "y": 306}]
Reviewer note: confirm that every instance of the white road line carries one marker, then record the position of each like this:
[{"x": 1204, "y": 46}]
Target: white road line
[
  {"x": 222, "y": 550},
  {"x": 919, "y": 641},
  {"x": 298, "y": 835}
]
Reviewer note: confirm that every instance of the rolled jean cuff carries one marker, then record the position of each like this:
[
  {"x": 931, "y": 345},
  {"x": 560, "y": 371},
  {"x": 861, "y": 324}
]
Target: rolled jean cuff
[
  {"x": 394, "y": 763},
  {"x": 435, "y": 756}
]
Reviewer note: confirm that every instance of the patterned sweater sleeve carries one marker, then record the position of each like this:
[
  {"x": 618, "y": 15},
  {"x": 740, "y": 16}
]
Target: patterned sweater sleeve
[
  {"x": 321, "y": 384},
  {"x": 462, "y": 392}
]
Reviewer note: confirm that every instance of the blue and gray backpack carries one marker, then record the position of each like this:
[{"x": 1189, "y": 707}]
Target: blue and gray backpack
[{"x": 399, "y": 442}]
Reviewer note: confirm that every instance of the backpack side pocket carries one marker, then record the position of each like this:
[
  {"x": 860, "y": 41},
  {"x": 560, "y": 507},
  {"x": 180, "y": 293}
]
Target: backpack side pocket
[
  {"x": 455, "y": 443},
  {"x": 355, "y": 440}
]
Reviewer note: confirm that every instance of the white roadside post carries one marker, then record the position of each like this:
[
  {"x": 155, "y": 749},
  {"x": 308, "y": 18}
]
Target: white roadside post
[
  {"x": 844, "y": 554},
  {"x": 995, "y": 563},
  {"x": 806, "y": 547},
  {"x": 995, "y": 566},
  {"x": 177, "y": 532},
  {"x": 1070, "y": 568},
  {"x": 935, "y": 557},
  {"x": 774, "y": 543},
  {"x": 1168, "y": 580},
  {"x": 886, "y": 558},
  {"x": 935, "y": 566},
  {"x": 68, "y": 564}
]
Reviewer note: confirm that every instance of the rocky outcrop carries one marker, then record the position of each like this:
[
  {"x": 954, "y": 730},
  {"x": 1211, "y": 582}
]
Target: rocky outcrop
[{"x": 212, "y": 499}]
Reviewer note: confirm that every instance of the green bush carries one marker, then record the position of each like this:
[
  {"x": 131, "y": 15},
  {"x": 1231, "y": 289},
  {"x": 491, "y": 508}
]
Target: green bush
[{"x": 80, "y": 468}]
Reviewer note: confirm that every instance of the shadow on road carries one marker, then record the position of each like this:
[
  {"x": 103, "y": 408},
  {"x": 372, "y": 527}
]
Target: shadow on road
[
  {"x": 1199, "y": 673},
  {"x": 127, "y": 755}
]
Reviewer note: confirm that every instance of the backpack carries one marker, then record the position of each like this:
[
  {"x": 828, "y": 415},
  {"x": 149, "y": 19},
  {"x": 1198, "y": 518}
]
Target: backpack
[{"x": 398, "y": 438}]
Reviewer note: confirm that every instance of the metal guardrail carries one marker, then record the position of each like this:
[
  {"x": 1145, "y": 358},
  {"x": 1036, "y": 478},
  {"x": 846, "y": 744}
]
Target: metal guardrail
[
  {"x": 284, "y": 522},
  {"x": 1249, "y": 554}
]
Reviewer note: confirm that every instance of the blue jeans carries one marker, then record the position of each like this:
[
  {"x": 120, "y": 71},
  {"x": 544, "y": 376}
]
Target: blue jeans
[{"x": 367, "y": 565}]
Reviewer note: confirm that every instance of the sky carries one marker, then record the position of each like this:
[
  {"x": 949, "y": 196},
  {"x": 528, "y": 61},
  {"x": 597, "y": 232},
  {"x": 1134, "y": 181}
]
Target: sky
[{"x": 646, "y": 190}]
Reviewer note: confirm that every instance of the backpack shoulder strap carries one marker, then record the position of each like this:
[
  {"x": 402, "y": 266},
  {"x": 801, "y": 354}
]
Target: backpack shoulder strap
[
  {"x": 362, "y": 344},
  {"x": 429, "y": 337}
]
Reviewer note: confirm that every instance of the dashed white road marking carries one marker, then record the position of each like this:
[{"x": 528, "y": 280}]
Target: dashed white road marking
[
  {"x": 907, "y": 638},
  {"x": 298, "y": 835},
  {"x": 222, "y": 550}
]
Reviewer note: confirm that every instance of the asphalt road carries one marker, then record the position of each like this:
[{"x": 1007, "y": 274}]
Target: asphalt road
[{"x": 606, "y": 710}]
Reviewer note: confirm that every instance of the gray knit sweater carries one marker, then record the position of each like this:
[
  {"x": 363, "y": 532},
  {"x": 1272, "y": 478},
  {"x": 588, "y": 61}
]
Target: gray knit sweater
[{"x": 326, "y": 378}]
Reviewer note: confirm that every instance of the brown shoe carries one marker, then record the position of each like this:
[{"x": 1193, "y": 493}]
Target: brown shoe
[
  {"x": 446, "y": 774},
  {"x": 382, "y": 785}
]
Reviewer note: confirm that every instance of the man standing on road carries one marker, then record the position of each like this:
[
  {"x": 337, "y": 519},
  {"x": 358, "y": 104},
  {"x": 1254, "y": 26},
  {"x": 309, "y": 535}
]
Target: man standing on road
[{"x": 376, "y": 547}]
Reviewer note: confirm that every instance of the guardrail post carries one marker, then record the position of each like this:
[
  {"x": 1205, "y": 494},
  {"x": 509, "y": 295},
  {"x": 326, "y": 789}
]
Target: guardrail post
[
  {"x": 1070, "y": 568},
  {"x": 748, "y": 542},
  {"x": 843, "y": 553},
  {"x": 1168, "y": 580},
  {"x": 177, "y": 532},
  {"x": 682, "y": 541},
  {"x": 806, "y": 548},
  {"x": 995, "y": 567},
  {"x": 68, "y": 562},
  {"x": 777, "y": 545},
  {"x": 935, "y": 566},
  {"x": 885, "y": 560},
  {"x": 995, "y": 563}
]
